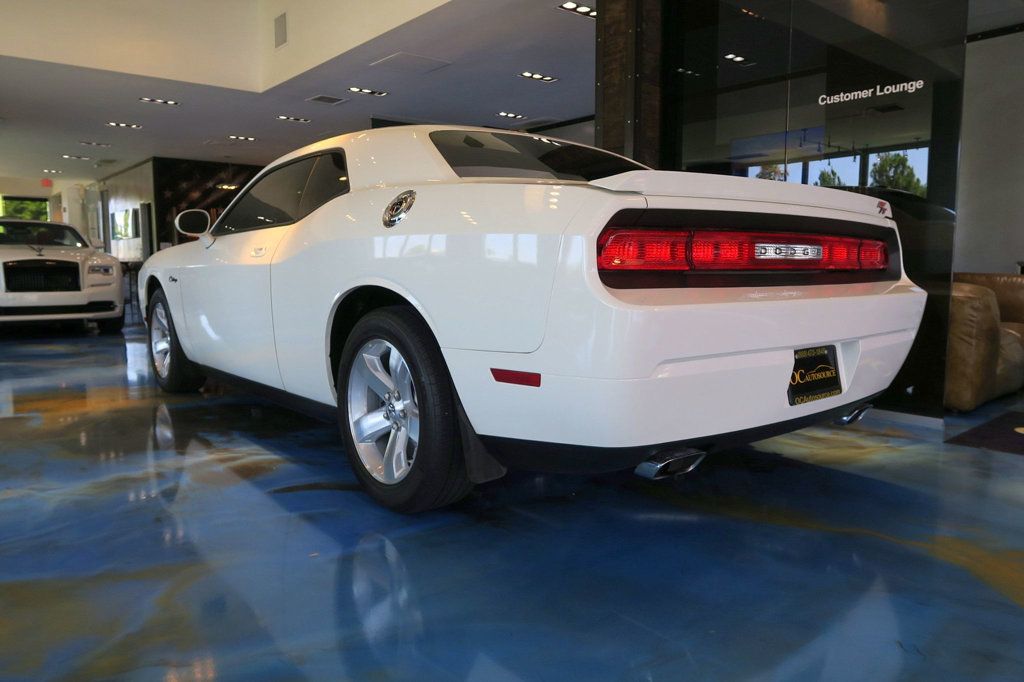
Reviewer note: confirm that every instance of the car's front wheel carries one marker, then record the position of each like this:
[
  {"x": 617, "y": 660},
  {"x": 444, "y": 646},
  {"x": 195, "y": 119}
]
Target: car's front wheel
[
  {"x": 173, "y": 371},
  {"x": 396, "y": 409}
]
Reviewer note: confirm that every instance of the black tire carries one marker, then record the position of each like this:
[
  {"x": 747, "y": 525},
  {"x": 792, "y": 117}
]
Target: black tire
[
  {"x": 183, "y": 375},
  {"x": 437, "y": 475},
  {"x": 113, "y": 325}
]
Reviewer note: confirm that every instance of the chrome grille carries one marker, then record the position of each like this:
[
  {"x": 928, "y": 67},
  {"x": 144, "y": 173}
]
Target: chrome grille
[{"x": 41, "y": 275}]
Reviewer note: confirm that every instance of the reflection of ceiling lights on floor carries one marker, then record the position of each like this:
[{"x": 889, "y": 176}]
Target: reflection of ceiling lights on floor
[
  {"x": 227, "y": 186},
  {"x": 242, "y": 138},
  {"x": 579, "y": 8},
  {"x": 293, "y": 119},
  {"x": 94, "y": 144},
  {"x": 115, "y": 124},
  {"x": 751, "y": 13}
]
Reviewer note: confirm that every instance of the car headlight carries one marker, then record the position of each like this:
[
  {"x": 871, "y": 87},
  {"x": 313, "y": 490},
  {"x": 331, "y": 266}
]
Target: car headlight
[{"x": 101, "y": 270}]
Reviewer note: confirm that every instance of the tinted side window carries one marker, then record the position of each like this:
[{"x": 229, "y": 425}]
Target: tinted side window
[
  {"x": 328, "y": 180},
  {"x": 273, "y": 200}
]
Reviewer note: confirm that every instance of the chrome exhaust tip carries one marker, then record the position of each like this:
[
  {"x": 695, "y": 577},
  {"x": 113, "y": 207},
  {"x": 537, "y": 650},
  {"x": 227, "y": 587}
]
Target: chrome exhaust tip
[
  {"x": 854, "y": 416},
  {"x": 670, "y": 463}
]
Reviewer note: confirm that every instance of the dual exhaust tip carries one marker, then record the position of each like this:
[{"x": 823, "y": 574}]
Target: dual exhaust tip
[{"x": 676, "y": 462}]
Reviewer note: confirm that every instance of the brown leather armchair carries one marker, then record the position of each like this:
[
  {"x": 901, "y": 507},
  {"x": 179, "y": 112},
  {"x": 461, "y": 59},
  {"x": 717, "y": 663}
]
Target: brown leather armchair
[{"x": 985, "y": 354}]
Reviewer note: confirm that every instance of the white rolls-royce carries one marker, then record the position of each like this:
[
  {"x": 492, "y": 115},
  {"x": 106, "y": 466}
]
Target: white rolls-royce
[
  {"x": 50, "y": 272},
  {"x": 467, "y": 300}
]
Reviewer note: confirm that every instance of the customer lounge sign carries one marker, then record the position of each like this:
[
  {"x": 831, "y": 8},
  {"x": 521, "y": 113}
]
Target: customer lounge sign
[{"x": 908, "y": 87}]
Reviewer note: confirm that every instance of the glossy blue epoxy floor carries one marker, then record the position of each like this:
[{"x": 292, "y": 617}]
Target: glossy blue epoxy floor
[{"x": 215, "y": 537}]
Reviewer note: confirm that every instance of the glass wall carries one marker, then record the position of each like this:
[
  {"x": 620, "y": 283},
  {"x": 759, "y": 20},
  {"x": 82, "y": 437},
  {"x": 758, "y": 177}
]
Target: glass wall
[{"x": 856, "y": 94}]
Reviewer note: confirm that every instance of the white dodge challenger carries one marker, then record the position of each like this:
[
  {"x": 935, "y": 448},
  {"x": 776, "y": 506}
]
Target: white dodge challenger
[
  {"x": 469, "y": 299},
  {"x": 49, "y": 272}
]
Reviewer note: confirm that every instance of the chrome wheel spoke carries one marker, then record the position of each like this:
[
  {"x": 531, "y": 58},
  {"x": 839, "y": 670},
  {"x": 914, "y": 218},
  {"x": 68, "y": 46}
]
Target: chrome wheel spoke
[
  {"x": 400, "y": 374},
  {"x": 372, "y": 371},
  {"x": 396, "y": 464},
  {"x": 371, "y": 426}
]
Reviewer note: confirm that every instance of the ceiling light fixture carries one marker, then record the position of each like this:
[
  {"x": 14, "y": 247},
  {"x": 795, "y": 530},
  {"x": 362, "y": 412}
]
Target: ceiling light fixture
[
  {"x": 735, "y": 58},
  {"x": 530, "y": 75},
  {"x": 222, "y": 186},
  {"x": 94, "y": 144},
  {"x": 75, "y": 157},
  {"x": 579, "y": 9},
  {"x": 508, "y": 114},
  {"x": 367, "y": 91},
  {"x": 50, "y": 170},
  {"x": 293, "y": 119},
  {"x": 157, "y": 100},
  {"x": 242, "y": 138},
  {"x": 115, "y": 124},
  {"x": 687, "y": 72}
]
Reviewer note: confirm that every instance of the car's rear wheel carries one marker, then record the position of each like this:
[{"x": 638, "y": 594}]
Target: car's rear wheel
[
  {"x": 397, "y": 414},
  {"x": 174, "y": 372}
]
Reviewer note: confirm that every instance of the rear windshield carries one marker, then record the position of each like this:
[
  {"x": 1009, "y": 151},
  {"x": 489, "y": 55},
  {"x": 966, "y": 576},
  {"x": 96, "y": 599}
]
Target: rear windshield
[
  {"x": 39, "y": 234},
  {"x": 473, "y": 154}
]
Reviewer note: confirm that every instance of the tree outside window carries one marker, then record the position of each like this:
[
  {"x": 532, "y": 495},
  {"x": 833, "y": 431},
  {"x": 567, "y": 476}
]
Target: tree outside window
[{"x": 25, "y": 207}]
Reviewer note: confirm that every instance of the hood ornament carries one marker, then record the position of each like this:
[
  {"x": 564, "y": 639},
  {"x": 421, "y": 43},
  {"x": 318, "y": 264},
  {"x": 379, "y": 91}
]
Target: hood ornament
[
  {"x": 399, "y": 207},
  {"x": 37, "y": 249}
]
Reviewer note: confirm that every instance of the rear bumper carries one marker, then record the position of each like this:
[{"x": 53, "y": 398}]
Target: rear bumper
[
  {"x": 580, "y": 459},
  {"x": 651, "y": 371}
]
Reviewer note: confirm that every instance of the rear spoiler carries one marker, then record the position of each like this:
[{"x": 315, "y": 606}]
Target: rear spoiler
[{"x": 710, "y": 186}]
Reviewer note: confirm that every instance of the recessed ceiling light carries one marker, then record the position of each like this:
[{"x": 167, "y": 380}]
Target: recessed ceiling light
[
  {"x": 687, "y": 72},
  {"x": 579, "y": 9},
  {"x": 94, "y": 144},
  {"x": 534, "y": 76},
  {"x": 50, "y": 170},
  {"x": 222, "y": 186},
  {"x": 509, "y": 114},
  {"x": 242, "y": 138},
  {"x": 157, "y": 100},
  {"x": 293, "y": 119},
  {"x": 367, "y": 91},
  {"x": 75, "y": 157},
  {"x": 115, "y": 124},
  {"x": 735, "y": 57}
]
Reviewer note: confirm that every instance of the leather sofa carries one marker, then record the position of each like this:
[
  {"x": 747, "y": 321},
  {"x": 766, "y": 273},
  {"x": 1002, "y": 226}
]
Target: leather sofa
[{"x": 985, "y": 352}]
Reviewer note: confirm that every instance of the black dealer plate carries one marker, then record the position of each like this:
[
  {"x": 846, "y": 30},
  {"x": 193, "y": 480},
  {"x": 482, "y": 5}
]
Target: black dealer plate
[{"x": 815, "y": 375}]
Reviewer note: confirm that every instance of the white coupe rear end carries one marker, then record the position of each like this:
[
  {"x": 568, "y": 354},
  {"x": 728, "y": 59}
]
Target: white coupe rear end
[{"x": 468, "y": 298}]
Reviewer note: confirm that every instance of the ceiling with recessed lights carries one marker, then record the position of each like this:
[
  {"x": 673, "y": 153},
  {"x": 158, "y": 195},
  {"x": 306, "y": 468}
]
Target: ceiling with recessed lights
[{"x": 87, "y": 124}]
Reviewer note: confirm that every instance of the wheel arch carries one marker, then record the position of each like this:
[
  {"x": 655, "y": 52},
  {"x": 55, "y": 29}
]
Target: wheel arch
[
  {"x": 151, "y": 286},
  {"x": 352, "y": 305}
]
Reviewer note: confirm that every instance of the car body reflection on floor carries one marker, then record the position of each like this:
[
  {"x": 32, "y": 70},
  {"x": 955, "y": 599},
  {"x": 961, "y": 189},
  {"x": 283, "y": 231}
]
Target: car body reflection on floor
[{"x": 216, "y": 536}]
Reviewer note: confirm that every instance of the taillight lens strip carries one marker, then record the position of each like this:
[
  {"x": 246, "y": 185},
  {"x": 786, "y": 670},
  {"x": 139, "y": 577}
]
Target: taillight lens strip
[{"x": 621, "y": 249}]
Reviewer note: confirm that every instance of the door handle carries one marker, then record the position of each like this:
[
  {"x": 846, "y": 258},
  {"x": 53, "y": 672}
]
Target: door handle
[{"x": 258, "y": 251}]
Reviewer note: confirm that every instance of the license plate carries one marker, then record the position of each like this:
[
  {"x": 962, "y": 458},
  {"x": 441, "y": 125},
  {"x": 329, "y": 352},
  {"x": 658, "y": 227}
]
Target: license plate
[{"x": 815, "y": 375}]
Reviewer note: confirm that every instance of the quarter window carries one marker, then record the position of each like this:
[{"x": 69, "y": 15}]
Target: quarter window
[
  {"x": 329, "y": 179},
  {"x": 274, "y": 200}
]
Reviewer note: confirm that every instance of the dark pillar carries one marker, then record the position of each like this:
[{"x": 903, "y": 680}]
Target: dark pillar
[{"x": 629, "y": 78}]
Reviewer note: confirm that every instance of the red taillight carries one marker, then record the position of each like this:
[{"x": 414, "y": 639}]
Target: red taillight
[{"x": 631, "y": 249}]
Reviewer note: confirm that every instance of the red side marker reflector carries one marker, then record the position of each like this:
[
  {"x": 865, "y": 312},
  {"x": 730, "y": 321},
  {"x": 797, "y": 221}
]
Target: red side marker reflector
[{"x": 510, "y": 376}]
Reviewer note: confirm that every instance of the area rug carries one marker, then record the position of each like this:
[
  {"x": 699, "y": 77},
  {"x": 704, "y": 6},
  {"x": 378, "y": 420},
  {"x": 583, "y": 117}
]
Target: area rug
[{"x": 1005, "y": 433}]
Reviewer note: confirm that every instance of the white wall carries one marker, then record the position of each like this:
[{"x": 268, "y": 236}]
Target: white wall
[
  {"x": 213, "y": 42},
  {"x": 990, "y": 193},
  {"x": 321, "y": 29}
]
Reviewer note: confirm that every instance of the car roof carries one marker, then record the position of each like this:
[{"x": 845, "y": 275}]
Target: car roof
[{"x": 395, "y": 155}]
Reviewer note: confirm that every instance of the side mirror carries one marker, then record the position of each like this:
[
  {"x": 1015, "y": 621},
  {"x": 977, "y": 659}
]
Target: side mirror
[{"x": 193, "y": 222}]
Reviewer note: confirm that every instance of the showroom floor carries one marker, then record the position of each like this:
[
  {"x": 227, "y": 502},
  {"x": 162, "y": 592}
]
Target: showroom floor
[{"x": 214, "y": 536}]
